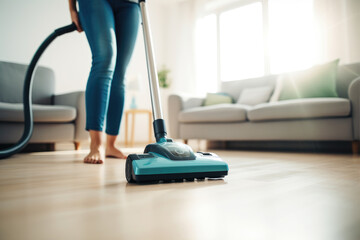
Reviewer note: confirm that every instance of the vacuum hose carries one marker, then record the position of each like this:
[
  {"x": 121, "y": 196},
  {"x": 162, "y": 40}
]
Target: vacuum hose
[{"x": 27, "y": 93}]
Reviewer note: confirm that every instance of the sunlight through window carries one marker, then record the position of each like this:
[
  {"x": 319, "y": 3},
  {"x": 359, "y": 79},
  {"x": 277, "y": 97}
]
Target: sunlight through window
[
  {"x": 291, "y": 35},
  {"x": 236, "y": 44},
  {"x": 241, "y": 43}
]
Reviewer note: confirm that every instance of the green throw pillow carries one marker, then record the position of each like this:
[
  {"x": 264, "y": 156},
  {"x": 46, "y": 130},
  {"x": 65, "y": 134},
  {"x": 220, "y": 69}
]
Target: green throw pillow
[
  {"x": 217, "y": 98},
  {"x": 318, "y": 81}
]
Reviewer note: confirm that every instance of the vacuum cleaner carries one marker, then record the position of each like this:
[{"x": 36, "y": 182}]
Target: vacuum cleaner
[{"x": 164, "y": 160}]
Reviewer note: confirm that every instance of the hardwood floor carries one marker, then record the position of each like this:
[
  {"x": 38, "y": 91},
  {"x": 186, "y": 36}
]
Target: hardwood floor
[{"x": 53, "y": 195}]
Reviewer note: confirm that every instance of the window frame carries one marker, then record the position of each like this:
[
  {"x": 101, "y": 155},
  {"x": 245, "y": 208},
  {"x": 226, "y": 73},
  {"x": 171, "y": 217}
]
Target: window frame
[{"x": 218, "y": 10}]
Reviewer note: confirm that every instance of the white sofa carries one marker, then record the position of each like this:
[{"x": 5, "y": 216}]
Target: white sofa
[{"x": 312, "y": 119}]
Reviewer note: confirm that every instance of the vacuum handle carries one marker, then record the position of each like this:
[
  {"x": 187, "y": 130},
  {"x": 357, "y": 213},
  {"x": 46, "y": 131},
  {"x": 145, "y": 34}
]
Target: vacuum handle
[
  {"x": 65, "y": 29},
  {"x": 159, "y": 123},
  {"x": 151, "y": 67}
]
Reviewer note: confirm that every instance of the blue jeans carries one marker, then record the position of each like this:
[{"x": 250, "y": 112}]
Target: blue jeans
[{"x": 111, "y": 27}]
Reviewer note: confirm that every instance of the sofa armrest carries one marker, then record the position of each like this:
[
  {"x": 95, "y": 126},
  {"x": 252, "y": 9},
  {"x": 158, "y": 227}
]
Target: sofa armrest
[
  {"x": 176, "y": 104},
  {"x": 354, "y": 96},
  {"x": 76, "y": 100}
]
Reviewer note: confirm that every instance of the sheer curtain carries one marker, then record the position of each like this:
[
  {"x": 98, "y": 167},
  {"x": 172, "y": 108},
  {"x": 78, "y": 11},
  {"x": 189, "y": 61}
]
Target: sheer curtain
[
  {"x": 337, "y": 24},
  {"x": 180, "y": 28}
]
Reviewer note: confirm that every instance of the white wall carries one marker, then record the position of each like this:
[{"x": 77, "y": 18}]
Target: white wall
[
  {"x": 25, "y": 24},
  {"x": 180, "y": 43}
]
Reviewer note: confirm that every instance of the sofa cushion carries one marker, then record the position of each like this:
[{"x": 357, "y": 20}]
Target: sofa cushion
[
  {"x": 215, "y": 113},
  {"x": 318, "y": 81},
  {"x": 255, "y": 96},
  {"x": 301, "y": 109},
  {"x": 217, "y": 98},
  {"x": 13, "y": 112}
]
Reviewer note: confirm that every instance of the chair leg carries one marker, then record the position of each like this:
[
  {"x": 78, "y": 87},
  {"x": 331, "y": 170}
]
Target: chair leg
[
  {"x": 355, "y": 147},
  {"x": 77, "y": 145}
]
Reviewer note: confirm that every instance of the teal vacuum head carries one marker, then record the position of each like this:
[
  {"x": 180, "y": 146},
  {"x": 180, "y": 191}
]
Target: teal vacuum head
[{"x": 167, "y": 161}]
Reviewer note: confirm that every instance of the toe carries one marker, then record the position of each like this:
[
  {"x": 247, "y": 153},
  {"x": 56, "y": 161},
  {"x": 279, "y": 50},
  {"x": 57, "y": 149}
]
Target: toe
[{"x": 94, "y": 157}]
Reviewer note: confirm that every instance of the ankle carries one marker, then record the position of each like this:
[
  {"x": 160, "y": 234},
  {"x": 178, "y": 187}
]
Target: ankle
[
  {"x": 96, "y": 146},
  {"x": 110, "y": 146},
  {"x": 110, "y": 141},
  {"x": 96, "y": 140}
]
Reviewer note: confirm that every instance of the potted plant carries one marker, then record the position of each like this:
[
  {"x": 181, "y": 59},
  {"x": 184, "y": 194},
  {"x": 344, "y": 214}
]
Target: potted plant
[{"x": 164, "y": 81}]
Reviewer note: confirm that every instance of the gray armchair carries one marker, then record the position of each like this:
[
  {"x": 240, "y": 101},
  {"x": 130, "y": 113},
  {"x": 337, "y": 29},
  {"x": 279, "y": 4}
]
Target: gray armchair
[{"x": 57, "y": 118}]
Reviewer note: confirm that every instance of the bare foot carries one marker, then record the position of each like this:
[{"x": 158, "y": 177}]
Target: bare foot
[
  {"x": 96, "y": 156},
  {"x": 113, "y": 152}
]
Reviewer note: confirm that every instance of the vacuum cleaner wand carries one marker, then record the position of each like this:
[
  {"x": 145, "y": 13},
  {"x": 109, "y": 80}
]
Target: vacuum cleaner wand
[
  {"x": 27, "y": 93},
  {"x": 159, "y": 123}
]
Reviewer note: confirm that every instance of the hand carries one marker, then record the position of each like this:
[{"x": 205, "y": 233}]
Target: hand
[{"x": 75, "y": 19}]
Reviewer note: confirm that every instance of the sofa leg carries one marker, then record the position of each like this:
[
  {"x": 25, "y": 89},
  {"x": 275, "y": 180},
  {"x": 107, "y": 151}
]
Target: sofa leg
[
  {"x": 355, "y": 147},
  {"x": 186, "y": 141},
  {"x": 77, "y": 145}
]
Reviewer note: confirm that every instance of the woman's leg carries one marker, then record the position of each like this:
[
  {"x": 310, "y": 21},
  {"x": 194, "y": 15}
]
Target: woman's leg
[
  {"x": 97, "y": 154},
  {"x": 127, "y": 19},
  {"x": 97, "y": 20},
  {"x": 111, "y": 150}
]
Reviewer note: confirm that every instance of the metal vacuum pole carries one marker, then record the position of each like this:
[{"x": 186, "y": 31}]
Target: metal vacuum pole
[{"x": 159, "y": 123}]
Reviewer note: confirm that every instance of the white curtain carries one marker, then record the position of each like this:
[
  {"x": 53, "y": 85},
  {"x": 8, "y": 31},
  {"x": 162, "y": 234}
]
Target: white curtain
[
  {"x": 179, "y": 23},
  {"x": 338, "y": 30},
  {"x": 180, "y": 56}
]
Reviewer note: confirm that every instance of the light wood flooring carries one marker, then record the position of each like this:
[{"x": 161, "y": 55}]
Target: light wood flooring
[{"x": 267, "y": 195}]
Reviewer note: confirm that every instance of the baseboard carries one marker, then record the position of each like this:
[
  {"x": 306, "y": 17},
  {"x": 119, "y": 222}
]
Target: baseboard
[{"x": 292, "y": 146}]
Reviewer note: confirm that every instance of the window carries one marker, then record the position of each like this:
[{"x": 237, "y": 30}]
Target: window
[
  {"x": 291, "y": 35},
  {"x": 260, "y": 38},
  {"x": 241, "y": 43}
]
